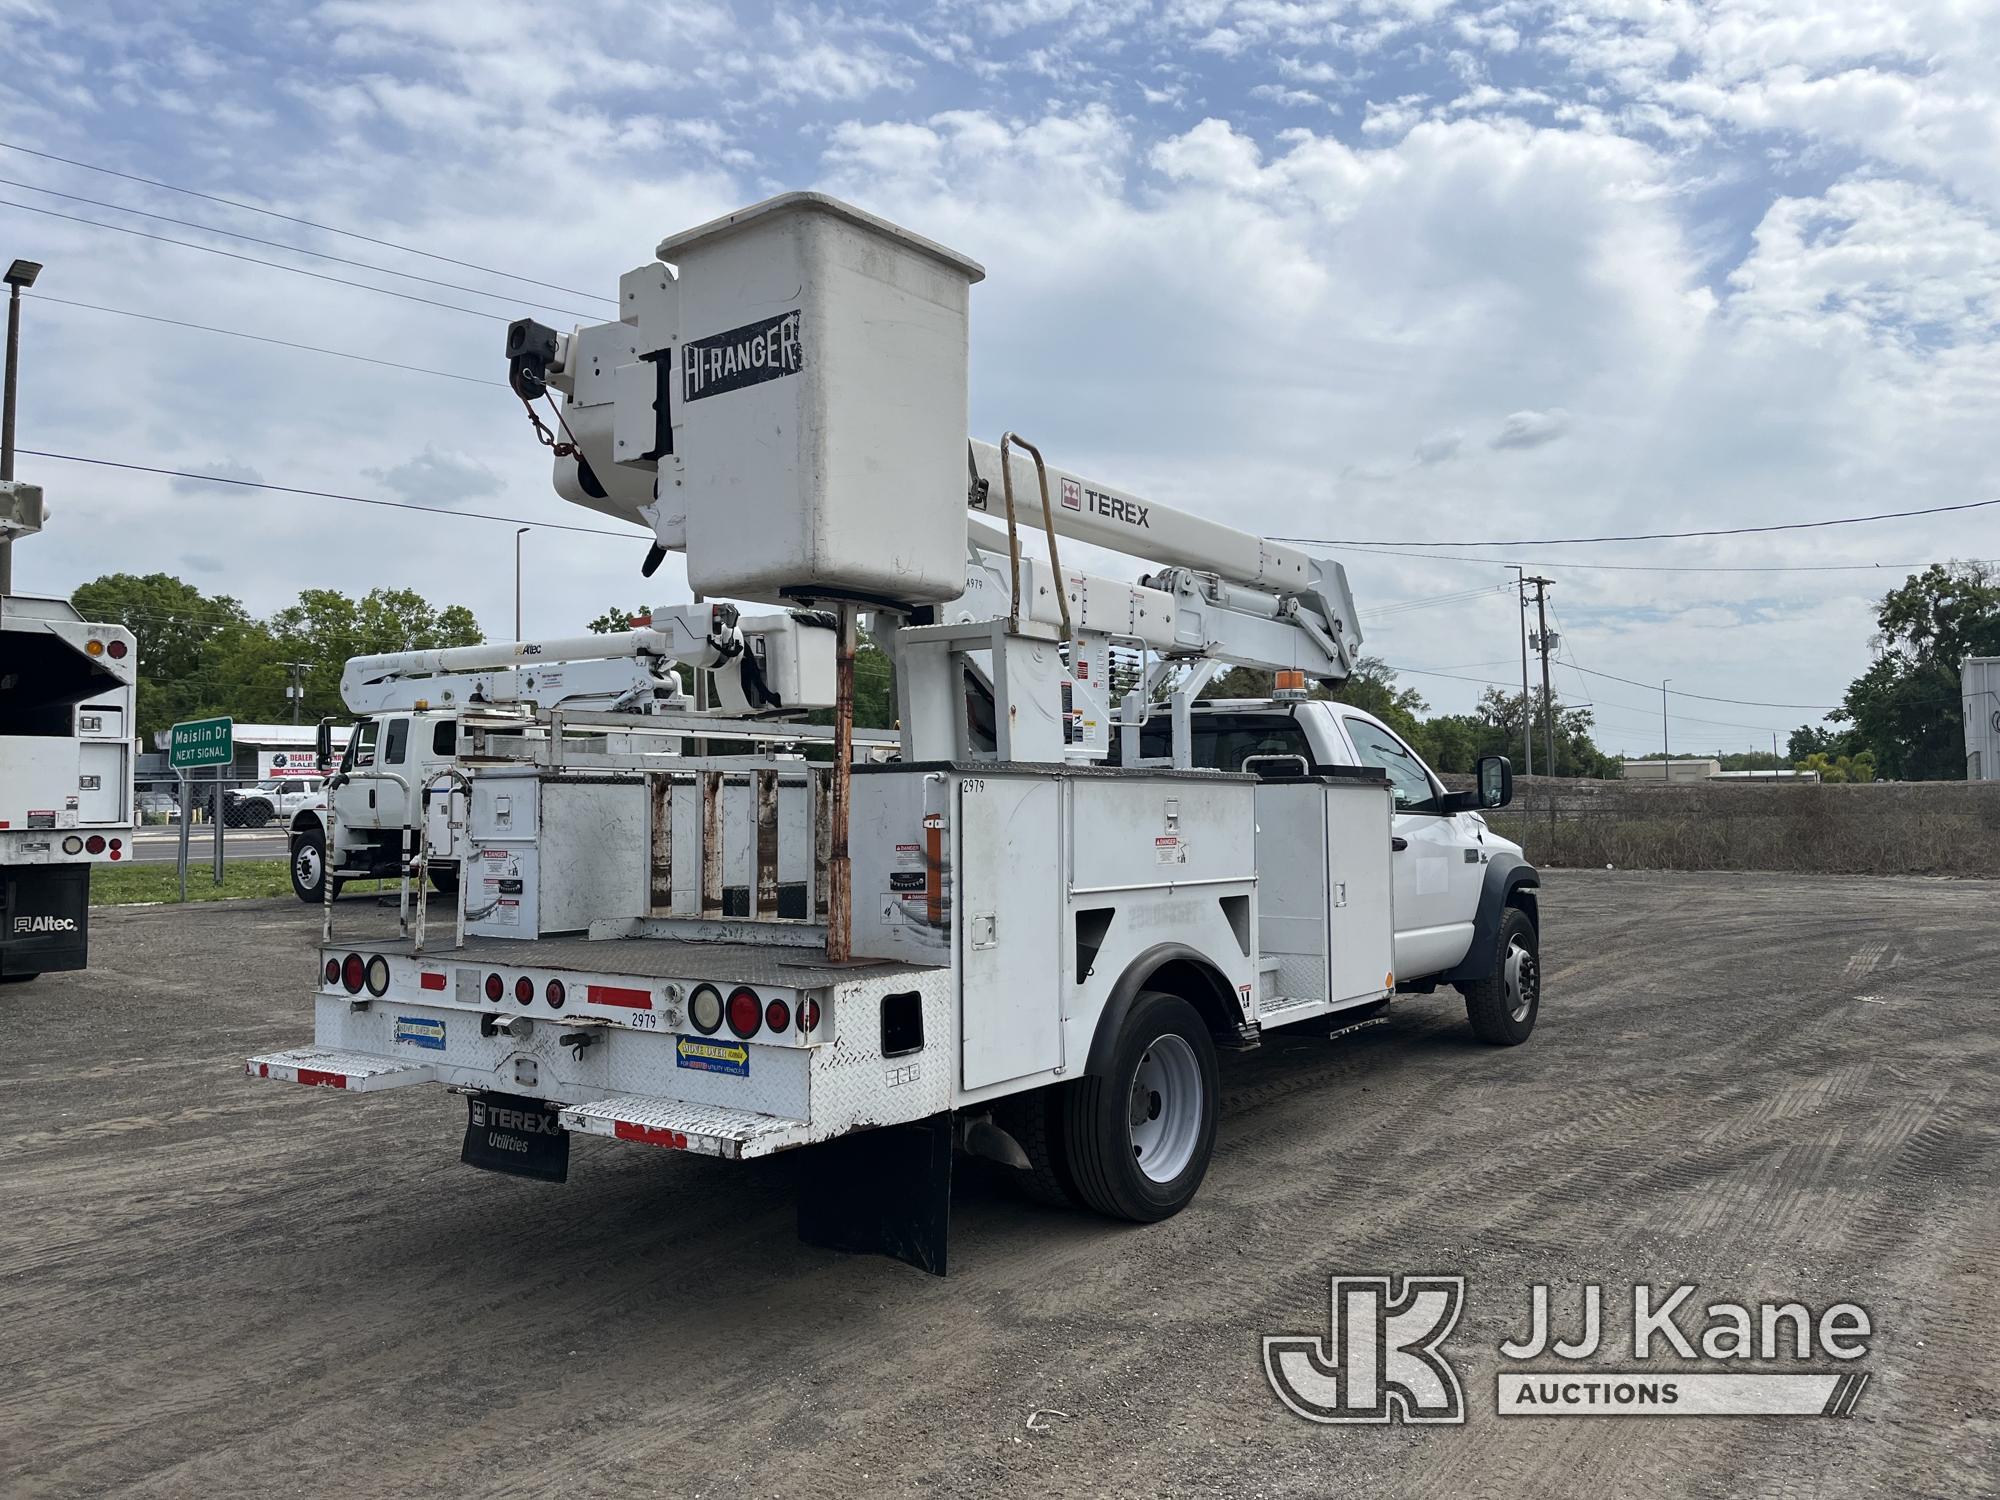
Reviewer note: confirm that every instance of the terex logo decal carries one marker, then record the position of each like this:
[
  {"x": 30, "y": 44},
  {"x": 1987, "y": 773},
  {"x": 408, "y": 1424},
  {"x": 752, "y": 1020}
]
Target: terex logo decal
[
  {"x": 44, "y": 924},
  {"x": 1116, "y": 508}
]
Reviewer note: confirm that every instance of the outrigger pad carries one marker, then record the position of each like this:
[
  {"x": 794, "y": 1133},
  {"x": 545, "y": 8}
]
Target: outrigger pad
[{"x": 885, "y": 1191}]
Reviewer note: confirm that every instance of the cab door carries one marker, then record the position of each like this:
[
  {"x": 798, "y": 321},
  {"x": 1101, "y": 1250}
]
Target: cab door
[{"x": 1433, "y": 920}]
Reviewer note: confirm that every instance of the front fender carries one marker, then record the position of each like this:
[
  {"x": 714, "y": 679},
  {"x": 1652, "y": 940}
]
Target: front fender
[{"x": 1510, "y": 881}]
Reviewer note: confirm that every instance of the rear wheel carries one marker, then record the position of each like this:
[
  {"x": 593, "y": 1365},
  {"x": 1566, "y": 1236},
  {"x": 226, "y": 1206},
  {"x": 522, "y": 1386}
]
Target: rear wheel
[
  {"x": 444, "y": 879},
  {"x": 1138, "y": 1138},
  {"x": 309, "y": 865},
  {"x": 254, "y": 815},
  {"x": 1503, "y": 1005},
  {"x": 1034, "y": 1120}
]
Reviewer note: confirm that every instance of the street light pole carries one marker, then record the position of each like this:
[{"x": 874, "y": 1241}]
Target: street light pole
[
  {"x": 21, "y": 273},
  {"x": 523, "y": 531},
  {"x": 1666, "y": 756}
]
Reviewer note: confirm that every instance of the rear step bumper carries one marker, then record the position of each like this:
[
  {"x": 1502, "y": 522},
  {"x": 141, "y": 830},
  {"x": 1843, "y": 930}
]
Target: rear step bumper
[
  {"x": 704, "y": 1129},
  {"x": 354, "y": 1071}
]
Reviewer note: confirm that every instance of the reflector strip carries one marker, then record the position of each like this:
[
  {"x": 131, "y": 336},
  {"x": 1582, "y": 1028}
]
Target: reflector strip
[
  {"x": 611, "y": 994},
  {"x": 430, "y": 979},
  {"x": 649, "y": 1135},
  {"x": 314, "y": 1078}
]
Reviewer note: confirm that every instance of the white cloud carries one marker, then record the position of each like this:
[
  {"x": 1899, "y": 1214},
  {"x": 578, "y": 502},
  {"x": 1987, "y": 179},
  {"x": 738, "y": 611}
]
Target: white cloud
[
  {"x": 1530, "y": 429},
  {"x": 439, "y": 477}
]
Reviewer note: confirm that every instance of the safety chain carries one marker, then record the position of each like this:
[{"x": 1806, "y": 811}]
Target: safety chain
[{"x": 546, "y": 437}]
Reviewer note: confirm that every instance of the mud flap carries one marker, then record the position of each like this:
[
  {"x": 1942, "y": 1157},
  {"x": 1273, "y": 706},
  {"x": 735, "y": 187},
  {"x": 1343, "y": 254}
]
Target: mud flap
[{"x": 882, "y": 1192}]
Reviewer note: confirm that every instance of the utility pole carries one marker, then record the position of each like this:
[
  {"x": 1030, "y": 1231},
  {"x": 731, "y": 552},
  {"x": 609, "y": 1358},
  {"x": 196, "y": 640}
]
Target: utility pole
[
  {"x": 1527, "y": 711},
  {"x": 21, "y": 273},
  {"x": 1666, "y": 753},
  {"x": 1545, "y": 643},
  {"x": 523, "y": 531},
  {"x": 297, "y": 691}
]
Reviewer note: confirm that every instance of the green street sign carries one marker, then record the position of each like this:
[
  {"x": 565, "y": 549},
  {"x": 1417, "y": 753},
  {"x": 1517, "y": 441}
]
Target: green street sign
[{"x": 201, "y": 742}]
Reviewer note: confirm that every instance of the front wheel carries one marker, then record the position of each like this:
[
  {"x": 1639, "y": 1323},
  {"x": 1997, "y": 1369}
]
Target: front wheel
[
  {"x": 1502, "y": 1006},
  {"x": 309, "y": 865},
  {"x": 1138, "y": 1138},
  {"x": 256, "y": 815}
]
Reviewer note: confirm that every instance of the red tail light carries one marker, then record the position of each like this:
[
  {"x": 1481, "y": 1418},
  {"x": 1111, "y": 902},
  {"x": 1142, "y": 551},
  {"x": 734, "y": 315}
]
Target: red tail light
[
  {"x": 778, "y": 1016},
  {"x": 556, "y": 994},
  {"x": 746, "y": 1012},
  {"x": 333, "y": 971},
  {"x": 809, "y": 1014},
  {"x": 95, "y": 843},
  {"x": 116, "y": 845},
  {"x": 117, "y": 650},
  {"x": 430, "y": 979},
  {"x": 496, "y": 987},
  {"x": 353, "y": 973},
  {"x": 524, "y": 990}
]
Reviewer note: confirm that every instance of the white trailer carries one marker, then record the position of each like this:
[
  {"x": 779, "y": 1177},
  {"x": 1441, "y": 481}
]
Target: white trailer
[
  {"x": 1027, "y": 932},
  {"x": 67, "y": 700}
]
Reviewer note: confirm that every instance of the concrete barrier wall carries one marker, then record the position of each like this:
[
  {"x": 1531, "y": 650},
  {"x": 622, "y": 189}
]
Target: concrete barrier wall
[{"x": 1884, "y": 828}]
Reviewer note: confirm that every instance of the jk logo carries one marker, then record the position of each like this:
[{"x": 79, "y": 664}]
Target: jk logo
[{"x": 1381, "y": 1363}]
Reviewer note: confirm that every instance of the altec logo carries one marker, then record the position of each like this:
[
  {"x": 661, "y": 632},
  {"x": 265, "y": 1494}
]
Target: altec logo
[{"x": 44, "y": 924}]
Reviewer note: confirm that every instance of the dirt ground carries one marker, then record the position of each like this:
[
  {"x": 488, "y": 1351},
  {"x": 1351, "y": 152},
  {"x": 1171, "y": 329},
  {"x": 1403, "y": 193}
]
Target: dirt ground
[{"x": 1770, "y": 1086}]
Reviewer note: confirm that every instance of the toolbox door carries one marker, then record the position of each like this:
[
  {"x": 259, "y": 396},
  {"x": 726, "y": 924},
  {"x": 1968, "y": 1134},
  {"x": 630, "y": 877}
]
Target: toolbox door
[{"x": 1010, "y": 931}]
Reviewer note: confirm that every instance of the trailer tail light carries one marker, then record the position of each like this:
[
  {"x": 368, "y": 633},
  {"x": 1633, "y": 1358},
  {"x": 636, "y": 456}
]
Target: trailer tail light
[
  {"x": 333, "y": 971},
  {"x": 705, "y": 1009},
  {"x": 378, "y": 975},
  {"x": 777, "y": 1016},
  {"x": 72, "y": 845},
  {"x": 353, "y": 973},
  {"x": 430, "y": 979},
  {"x": 524, "y": 990},
  {"x": 116, "y": 845},
  {"x": 93, "y": 648},
  {"x": 117, "y": 650},
  {"x": 496, "y": 987},
  {"x": 95, "y": 843},
  {"x": 116, "y": 855},
  {"x": 808, "y": 1015},
  {"x": 746, "y": 1012},
  {"x": 556, "y": 994}
]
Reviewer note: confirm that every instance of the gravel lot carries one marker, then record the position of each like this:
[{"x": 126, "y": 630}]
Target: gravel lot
[{"x": 1773, "y": 1087}]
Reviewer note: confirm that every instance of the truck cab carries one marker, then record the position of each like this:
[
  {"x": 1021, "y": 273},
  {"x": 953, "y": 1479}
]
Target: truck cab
[
  {"x": 372, "y": 797},
  {"x": 1443, "y": 849}
]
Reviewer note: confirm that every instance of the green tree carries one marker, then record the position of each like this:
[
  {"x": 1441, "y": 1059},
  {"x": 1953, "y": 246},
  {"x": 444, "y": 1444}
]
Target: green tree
[
  {"x": 615, "y": 619},
  {"x": 1905, "y": 709},
  {"x": 327, "y": 627}
]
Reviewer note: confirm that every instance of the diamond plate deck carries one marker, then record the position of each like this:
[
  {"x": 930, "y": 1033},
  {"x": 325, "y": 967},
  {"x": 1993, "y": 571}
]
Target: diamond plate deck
[
  {"x": 702, "y": 1128},
  {"x": 322, "y": 1067}
]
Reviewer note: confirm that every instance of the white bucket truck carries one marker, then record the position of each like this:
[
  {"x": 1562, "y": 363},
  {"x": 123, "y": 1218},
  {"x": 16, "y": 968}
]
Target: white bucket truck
[
  {"x": 67, "y": 691},
  {"x": 1027, "y": 932}
]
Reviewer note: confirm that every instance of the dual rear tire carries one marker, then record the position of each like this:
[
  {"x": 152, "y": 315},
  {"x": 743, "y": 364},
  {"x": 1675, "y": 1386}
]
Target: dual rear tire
[{"x": 1133, "y": 1142}]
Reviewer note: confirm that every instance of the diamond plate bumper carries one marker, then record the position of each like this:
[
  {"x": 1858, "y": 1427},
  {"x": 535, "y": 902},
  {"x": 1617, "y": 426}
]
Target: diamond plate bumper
[
  {"x": 702, "y": 1128},
  {"x": 354, "y": 1071}
]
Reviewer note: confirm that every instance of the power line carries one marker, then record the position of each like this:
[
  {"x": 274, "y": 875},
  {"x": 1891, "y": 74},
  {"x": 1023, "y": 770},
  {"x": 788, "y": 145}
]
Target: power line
[
  {"x": 236, "y": 333},
  {"x": 1657, "y": 536},
  {"x": 287, "y": 489},
  {"x": 252, "y": 260},
  {"x": 1711, "y": 697},
  {"x": 1370, "y": 549},
  {"x": 308, "y": 223},
  {"x": 340, "y": 260},
  {"x": 1679, "y": 718}
]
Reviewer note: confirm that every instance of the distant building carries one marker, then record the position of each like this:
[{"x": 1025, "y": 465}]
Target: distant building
[
  {"x": 1979, "y": 682},
  {"x": 1680, "y": 770},
  {"x": 1789, "y": 777}
]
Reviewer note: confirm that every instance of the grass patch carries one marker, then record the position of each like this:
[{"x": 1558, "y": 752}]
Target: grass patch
[{"x": 242, "y": 879}]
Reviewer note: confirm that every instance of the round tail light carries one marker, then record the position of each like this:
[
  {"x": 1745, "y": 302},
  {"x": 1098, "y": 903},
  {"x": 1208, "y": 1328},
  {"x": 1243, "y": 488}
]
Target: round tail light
[
  {"x": 95, "y": 843},
  {"x": 705, "y": 1009},
  {"x": 353, "y": 973},
  {"x": 116, "y": 855},
  {"x": 556, "y": 994},
  {"x": 524, "y": 990},
  {"x": 496, "y": 987},
  {"x": 72, "y": 845},
  {"x": 778, "y": 1016},
  {"x": 116, "y": 845},
  {"x": 378, "y": 975},
  {"x": 809, "y": 1014},
  {"x": 333, "y": 971},
  {"x": 117, "y": 650},
  {"x": 746, "y": 1012}
]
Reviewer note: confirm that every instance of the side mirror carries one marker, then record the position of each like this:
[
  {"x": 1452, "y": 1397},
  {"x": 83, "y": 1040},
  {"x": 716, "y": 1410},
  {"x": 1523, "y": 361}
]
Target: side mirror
[
  {"x": 323, "y": 745},
  {"x": 1496, "y": 781}
]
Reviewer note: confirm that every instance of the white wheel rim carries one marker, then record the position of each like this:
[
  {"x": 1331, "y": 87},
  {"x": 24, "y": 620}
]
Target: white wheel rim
[
  {"x": 1165, "y": 1109},
  {"x": 1521, "y": 979},
  {"x": 307, "y": 864}
]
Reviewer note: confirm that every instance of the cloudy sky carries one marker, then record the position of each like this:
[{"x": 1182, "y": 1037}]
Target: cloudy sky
[{"x": 1397, "y": 270}]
